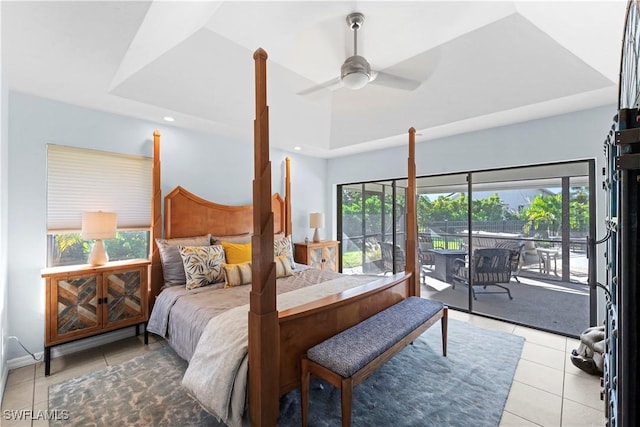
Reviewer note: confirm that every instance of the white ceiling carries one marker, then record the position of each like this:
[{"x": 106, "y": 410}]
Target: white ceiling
[{"x": 481, "y": 64}]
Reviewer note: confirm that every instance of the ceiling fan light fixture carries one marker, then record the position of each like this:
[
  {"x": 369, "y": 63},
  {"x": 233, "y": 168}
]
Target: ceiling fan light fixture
[
  {"x": 356, "y": 80},
  {"x": 355, "y": 72}
]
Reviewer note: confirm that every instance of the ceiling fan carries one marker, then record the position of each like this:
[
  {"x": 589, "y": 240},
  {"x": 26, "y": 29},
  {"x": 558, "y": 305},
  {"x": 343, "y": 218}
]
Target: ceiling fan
[{"x": 356, "y": 72}]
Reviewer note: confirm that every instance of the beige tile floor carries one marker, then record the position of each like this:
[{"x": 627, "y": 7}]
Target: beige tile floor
[{"x": 547, "y": 389}]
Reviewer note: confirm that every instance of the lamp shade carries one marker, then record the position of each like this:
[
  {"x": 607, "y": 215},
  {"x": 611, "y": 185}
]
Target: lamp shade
[
  {"x": 316, "y": 220},
  {"x": 98, "y": 225}
]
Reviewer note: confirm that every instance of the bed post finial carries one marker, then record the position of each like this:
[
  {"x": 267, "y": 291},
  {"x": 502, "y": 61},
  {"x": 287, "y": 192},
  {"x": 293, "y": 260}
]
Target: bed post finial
[
  {"x": 412, "y": 265},
  {"x": 260, "y": 54}
]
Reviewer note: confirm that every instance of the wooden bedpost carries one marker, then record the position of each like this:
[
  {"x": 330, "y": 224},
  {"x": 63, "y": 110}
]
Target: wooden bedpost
[
  {"x": 411, "y": 265},
  {"x": 264, "y": 335},
  {"x": 156, "y": 224},
  {"x": 288, "y": 228}
]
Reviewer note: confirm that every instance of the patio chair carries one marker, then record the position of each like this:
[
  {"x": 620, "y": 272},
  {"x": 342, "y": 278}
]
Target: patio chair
[
  {"x": 425, "y": 256},
  {"x": 388, "y": 259},
  {"x": 489, "y": 267},
  {"x": 516, "y": 249}
]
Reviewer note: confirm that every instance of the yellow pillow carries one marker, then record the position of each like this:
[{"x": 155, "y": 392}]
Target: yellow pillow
[{"x": 237, "y": 253}]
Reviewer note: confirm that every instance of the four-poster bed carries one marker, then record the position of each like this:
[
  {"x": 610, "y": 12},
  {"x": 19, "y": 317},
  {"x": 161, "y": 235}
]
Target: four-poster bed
[{"x": 280, "y": 330}]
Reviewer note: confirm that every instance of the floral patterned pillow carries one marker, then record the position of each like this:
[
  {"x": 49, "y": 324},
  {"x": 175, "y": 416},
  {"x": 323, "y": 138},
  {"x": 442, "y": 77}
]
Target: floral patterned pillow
[
  {"x": 202, "y": 265},
  {"x": 284, "y": 247}
]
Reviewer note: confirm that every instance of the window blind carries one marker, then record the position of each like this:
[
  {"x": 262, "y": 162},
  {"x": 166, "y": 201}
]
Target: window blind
[{"x": 81, "y": 180}]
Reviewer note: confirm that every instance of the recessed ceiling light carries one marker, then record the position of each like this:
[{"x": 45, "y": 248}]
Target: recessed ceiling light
[
  {"x": 169, "y": 119},
  {"x": 297, "y": 148}
]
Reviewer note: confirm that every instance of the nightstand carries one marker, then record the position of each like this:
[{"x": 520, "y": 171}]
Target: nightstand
[
  {"x": 322, "y": 255},
  {"x": 86, "y": 300}
]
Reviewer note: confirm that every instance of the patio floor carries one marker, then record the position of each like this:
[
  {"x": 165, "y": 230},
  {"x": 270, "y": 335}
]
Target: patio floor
[
  {"x": 540, "y": 300},
  {"x": 550, "y": 305}
]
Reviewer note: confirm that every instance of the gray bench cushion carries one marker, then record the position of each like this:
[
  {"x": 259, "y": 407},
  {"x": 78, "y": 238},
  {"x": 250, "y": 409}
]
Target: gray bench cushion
[{"x": 353, "y": 348}]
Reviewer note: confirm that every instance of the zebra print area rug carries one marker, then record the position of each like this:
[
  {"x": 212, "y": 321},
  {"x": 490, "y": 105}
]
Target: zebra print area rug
[{"x": 418, "y": 387}]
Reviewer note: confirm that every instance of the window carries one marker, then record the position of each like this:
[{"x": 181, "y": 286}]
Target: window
[{"x": 81, "y": 180}]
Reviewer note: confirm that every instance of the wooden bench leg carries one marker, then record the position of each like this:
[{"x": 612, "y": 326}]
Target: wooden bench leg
[
  {"x": 444, "y": 323},
  {"x": 304, "y": 390},
  {"x": 346, "y": 395}
]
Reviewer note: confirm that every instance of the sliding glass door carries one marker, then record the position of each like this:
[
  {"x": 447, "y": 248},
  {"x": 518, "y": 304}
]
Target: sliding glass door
[
  {"x": 508, "y": 243},
  {"x": 542, "y": 215},
  {"x": 367, "y": 218},
  {"x": 443, "y": 214}
]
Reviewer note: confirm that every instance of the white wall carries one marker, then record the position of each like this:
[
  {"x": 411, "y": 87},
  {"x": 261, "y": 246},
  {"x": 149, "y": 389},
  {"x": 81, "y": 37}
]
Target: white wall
[
  {"x": 560, "y": 138},
  {"x": 218, "y": 170}
]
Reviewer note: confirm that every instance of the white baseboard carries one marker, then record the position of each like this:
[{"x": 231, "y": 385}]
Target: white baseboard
[
  {"x": 3, "y": 380},
  {"x": 73, "y": 347}
]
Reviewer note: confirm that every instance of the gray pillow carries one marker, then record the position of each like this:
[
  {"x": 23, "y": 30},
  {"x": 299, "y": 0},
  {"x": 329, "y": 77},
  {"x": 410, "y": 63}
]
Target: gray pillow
[
  {"x": 240, "y": 238},
  {"x": 172, "y": 268}
]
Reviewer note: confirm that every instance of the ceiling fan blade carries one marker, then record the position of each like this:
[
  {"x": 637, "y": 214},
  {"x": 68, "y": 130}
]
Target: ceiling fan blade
[
  {"x": 390, "y": 80},
  {"x": 332, "y": 84}
]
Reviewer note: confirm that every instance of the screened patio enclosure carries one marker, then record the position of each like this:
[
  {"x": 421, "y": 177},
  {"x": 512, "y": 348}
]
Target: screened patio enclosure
[{"x": 542, "y": 214}]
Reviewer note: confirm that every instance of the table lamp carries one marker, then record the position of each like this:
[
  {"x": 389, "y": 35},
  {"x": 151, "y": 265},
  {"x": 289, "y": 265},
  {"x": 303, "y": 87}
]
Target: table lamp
[
  {"x": 316, "y": 220},
  {"x": 98, "y": 226}
]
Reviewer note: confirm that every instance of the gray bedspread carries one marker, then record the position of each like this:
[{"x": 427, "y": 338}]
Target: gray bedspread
[
  {"x": 217, "y": 373},
  {"x": 180, "y": 315}
]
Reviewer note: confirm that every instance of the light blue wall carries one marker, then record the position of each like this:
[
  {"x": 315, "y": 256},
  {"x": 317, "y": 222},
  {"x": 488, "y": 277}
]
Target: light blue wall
[
  {"x": 213, "y": 168},
  {"x": 560, "y": 138},
  {"x": 222, "y": 170},
  {"x": 565, "y": 137},
  {"x": 4, "y": 185}
]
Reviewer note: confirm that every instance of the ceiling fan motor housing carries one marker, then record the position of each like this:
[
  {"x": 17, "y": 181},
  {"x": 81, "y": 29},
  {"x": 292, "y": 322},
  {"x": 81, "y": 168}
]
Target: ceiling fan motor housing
[{"x": 355, "y": 72}]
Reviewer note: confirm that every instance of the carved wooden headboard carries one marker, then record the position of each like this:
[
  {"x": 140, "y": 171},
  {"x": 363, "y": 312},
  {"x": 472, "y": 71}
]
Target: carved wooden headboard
[{"x": 186, "y": 215}]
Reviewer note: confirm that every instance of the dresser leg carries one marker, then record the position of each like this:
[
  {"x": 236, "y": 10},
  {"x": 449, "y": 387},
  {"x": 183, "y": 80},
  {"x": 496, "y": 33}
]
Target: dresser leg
[
  {"x": 146, "y": 335},
  {"x": 47, "y": 361}
]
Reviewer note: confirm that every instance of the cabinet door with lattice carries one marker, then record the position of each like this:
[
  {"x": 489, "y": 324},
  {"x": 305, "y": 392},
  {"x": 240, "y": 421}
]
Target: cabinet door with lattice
[
  {"x": 315, "y": 257},
  {"x": 330, "y": 257},
  {"x": 124, "y": 296},
  {"x": 73, "y": 306}
]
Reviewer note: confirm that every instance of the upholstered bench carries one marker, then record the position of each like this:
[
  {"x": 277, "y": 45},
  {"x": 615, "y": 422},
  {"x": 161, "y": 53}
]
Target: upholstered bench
[{"x": 348, "y": 358}]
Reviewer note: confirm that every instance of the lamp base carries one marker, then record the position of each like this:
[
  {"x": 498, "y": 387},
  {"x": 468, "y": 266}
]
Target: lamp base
[
  {"x": 316, "y": 236},
  {"x": 98, "y": 255}
]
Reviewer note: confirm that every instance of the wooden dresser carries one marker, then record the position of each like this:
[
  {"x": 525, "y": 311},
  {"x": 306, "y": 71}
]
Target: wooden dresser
[
  {"x": 322, "y": 255},
  {"x": 86, "y": 300}
]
